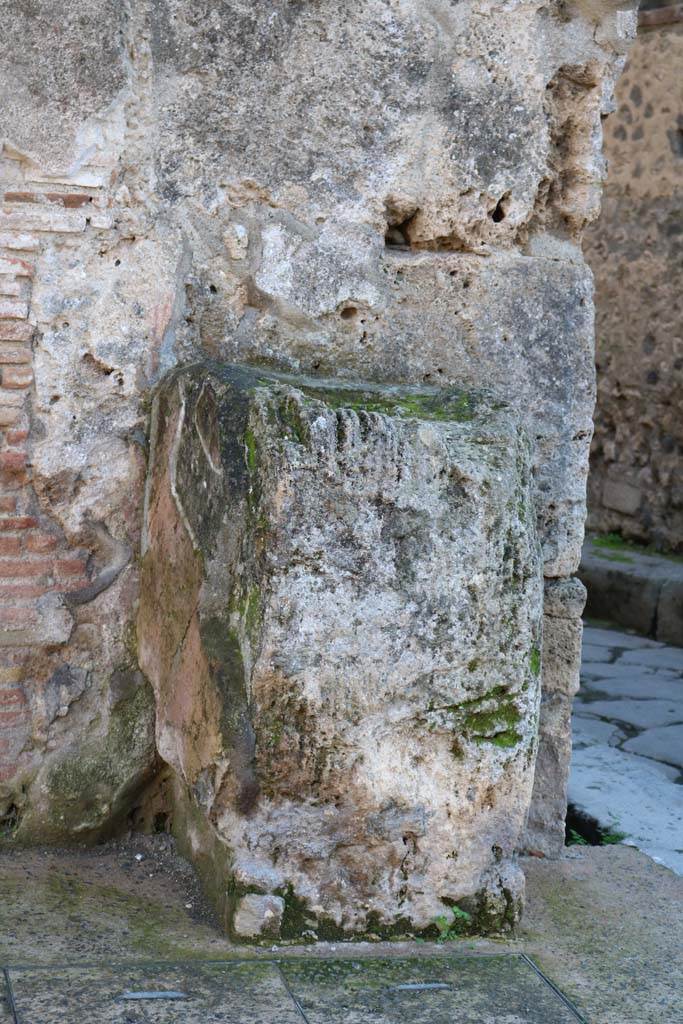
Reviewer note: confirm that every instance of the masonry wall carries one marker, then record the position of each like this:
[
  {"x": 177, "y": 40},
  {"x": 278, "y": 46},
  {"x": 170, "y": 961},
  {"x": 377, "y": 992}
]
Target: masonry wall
[
  {"x": 392, "y": 194},
  {"x": 635, "y": 249}
]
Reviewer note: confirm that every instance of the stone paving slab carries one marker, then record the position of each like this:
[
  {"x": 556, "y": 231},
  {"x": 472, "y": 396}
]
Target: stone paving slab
[
  {"x": 197, "y": 993},
  {"x": 605, "y": 922},
  {"x": 645, "y": 714},
  {"x": 619, "y": 670},
  {"x": 470, "y": 989},
  {"x": 602, "y": 923},
  {"x": 632, "y": 795},
  {"x": 596, "y": 653},
  {"x": 664, "y": 657},
  {"x": 662, "y": 744},
  {"x": 599, "y": 637},
  {"x": 655, "y": 686},
  {"x": 589, "y": 731},
  {"x": 628, "y": 742}
]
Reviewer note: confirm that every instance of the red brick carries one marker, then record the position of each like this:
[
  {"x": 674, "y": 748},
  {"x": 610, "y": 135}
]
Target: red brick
[
  {"x": 16, "y": 266},
  {"x": 10, "y": 718},
  {"x": 10, "y": 545},
  {"x": 16, "y": 436},
  {"x": 17, "y": 522},
  {"x": 17, "y": 618},
  {"x": 9, "y": 414},
  {"x": 40, "y": 543},
  {"x": 12, "y": 695},
  {"x": 21, "y": 197},
  {"x": 11, "y": 309},
  {"x": 11, "y": 478},
  {"x": 76, "y": 583},
  {"x": 40, "y": 218},
  {"x": 14, "y": 355},
  {"x": 10, "y": 567},
  {"x": 12, "y": 462},
  {"x": 70, "y": 566},
  {"x": 71, "y": 200},
  {"x": 16, "y": 376},
  {"x": 23, "y": 590},
  {"x": 15, "y": 330}
]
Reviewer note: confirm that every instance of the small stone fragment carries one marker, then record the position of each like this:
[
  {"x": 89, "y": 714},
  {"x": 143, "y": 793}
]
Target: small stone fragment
[{"x": 258, "y": 916}]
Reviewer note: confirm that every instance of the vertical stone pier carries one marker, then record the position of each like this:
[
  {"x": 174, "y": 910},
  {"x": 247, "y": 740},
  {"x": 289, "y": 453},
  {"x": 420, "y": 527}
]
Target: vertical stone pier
[
  {"x": 340, "y": 616},
  {"x": 373, "y": 213}
]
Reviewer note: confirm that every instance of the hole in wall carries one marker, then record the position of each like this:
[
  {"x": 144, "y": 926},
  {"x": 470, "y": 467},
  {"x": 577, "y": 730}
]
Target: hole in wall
[
  {"x": 161, "y": 822},
  {"x": 9, "y": 821},
  {"x": 96, "y": 364},
  {"x": 399, "y": 214},
  {"x": 349, "y": 313},
  {"x": 500, "y": 210},
  {"x": 213, "y": 289}
]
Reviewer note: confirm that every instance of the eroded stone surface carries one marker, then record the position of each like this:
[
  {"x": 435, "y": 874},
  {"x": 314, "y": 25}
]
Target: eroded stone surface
[
  {"x": 562, "y": 631},
  {"x": 258, "y": 916},
  {"x": 340, "y": 618},
  {"x": 393, "y": 192}
]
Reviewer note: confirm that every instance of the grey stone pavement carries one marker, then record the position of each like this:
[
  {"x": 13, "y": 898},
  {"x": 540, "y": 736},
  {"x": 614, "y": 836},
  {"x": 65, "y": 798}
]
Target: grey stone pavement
[{"x": 627, "y": 767}]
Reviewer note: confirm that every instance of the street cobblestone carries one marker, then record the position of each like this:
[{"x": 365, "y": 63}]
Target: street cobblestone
[{"x": 627, "y": 766}]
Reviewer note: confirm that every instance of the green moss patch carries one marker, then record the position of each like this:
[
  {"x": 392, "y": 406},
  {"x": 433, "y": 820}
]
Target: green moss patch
[
  {"x": 447, "y": 405},
  {"x": 616, "y": 548},
  {"x": 491, "y": 718}
]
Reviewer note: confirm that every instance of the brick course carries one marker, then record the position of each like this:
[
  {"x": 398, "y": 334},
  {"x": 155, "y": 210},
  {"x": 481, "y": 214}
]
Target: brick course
[{"x": 34, "y": 558}]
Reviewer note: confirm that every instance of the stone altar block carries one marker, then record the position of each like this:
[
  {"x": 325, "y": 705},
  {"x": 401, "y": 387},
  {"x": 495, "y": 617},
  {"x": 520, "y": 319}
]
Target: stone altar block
[{"x": 340, "y": 616}]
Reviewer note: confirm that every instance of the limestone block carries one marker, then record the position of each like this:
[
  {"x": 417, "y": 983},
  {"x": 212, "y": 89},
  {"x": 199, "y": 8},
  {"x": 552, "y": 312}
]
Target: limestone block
[
  {"x": 95, "y": 771},
  {"x": 521, "y": 326},
  {"x": 340, "y": 617},
  {"x": 670, "y": 610},
  {"x": 258, "y": 916},
  {"x": 562, "y": 631}
]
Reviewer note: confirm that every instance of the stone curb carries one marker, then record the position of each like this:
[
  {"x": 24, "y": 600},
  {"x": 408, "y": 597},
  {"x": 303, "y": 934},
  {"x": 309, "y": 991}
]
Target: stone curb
[{"x": 634, "y": 591}]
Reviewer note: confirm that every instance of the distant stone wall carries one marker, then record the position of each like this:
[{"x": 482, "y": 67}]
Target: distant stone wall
[
  {"x": 387, "y": 192},
  {"x": 635, "y": 250}
]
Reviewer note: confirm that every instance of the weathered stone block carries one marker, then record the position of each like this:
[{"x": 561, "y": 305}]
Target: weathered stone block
[
  {"x": 258, "y": 916},
  {"x": 562, "y": 632},
  {"x": 340, "y": 616}
]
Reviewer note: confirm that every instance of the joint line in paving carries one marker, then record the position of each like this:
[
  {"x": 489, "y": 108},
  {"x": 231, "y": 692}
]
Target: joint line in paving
[
  {"x": 570, "y": 1006},
  {"x": 10, "y": 996}
]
